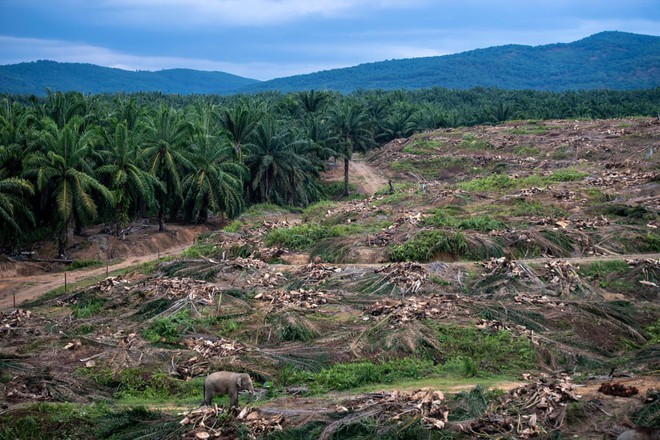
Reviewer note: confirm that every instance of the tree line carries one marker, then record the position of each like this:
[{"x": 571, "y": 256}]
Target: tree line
[{"x": 68, "y": 160}]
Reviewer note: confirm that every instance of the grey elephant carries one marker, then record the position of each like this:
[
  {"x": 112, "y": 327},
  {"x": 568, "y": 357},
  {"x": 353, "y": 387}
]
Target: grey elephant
[{"x": 226, "y": 382}]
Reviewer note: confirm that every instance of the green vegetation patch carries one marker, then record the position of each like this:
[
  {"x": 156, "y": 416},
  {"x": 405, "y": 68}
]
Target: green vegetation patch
[
  {"x": 446, "y": 217},
  {"x": 500, "y": 182},
  {"x": 422, "y": 147},
  {"x": 355, "y": 374},
  {"x": 442, "y": 167},
  {"x": 467, "y": 348},
  {"x": 303, "y": 236},
  {"x": 427, "y": 244},
  {"x": 170, "y": 329},
  {"x": 472, "y": 142}
]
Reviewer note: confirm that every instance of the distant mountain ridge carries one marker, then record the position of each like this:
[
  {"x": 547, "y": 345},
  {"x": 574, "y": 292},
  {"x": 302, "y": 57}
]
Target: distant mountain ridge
[
  {"x": 35, "y": 77},
  {"x": 607, "y": 60}
]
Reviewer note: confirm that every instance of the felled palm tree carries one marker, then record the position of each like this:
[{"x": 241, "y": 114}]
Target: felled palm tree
[{"x": 65, "y": 174}]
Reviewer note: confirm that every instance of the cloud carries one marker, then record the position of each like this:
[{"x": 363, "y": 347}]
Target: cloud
[
  {"x": 186, "y": 13},
  {"x": 17, "y": 50}
]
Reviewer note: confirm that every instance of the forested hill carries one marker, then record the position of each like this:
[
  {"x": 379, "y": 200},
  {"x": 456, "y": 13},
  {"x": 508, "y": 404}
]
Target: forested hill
[
  {"x": 36, "y": 77},
  {"x": 608, "y": 60}
]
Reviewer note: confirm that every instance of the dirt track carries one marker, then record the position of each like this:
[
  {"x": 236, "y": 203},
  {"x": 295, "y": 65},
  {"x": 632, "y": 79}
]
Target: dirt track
[{"x": 20, "y": 289}]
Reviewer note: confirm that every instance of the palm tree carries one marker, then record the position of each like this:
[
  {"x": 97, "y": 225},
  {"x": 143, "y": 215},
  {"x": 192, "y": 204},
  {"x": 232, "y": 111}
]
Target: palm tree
[
  {"x": 351, "y": 133},
  {"x": 17, "y": 133},
  {"x": 216, "y": 181},
  {"x": 273, "y": 160},
  {"x": 127, "y": 179},
  {"x": 312, "y": 102},
  {"x": 15, "y": 209},
  {"x": 239, "y": 123},
  {"x": 165, "y": 135},
  {"x": 65, "y": 174}
]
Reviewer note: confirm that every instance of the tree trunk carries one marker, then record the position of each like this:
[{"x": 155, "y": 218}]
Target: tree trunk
[
  {"x": 161, "y": 215},
  {"x": 346, "y": 192},
  {"x": 64, "y": 237}
]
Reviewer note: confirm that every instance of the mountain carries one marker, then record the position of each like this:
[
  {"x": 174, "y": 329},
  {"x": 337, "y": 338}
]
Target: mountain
[
  {"x": 607, "y": 60},
  {"x": 36, "y": 77}
]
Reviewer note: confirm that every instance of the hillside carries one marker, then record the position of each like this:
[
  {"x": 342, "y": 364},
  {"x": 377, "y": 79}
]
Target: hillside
[
  {"x": 36, "y": 77},
  {"x": 496, "y": 300},
  {"x": 608, "y": 60}
]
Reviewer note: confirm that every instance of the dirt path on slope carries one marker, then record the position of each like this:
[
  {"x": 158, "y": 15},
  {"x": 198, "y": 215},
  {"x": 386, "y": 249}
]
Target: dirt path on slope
[{"x": 363, "y": 176}]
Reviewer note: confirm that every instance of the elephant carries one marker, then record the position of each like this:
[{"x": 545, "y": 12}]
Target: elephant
[{"x": 226, "y": 382}]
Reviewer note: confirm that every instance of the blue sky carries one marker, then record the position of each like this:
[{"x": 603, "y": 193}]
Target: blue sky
[{"x": 266, "y": 39}]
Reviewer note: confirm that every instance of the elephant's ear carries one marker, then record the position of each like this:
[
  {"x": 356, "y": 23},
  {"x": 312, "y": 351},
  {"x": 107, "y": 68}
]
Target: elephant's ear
[{"x": 239, "y": 380}]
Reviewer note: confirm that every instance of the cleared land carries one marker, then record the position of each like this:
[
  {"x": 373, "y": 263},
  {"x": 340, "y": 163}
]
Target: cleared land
[{"x": 521, "y": 257}]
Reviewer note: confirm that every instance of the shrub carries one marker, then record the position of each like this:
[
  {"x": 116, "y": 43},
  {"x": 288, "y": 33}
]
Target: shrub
[
  {"x": 169, "y": 329},
  {"x": 301, "y": 237}
]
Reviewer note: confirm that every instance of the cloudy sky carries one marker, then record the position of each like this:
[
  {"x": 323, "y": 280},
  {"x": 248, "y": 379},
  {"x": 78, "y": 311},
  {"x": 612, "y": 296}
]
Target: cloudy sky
[{"x": 265, "y": 39}]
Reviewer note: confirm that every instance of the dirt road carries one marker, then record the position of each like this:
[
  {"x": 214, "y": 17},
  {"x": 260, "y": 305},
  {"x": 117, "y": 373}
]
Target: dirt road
[{"x": 16, "y": 290}]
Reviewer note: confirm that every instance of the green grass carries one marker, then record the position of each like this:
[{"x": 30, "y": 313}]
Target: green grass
[
  {"x": 446, "y": 217},
  {"x": 499, "y": 182},
  {"x": 170, "y": 329},
  {"x": 86, "y": 422},
  {"x": 472, "y": 142},
  {"x": 300, "y": 237},
  {"x": 498, "y": 353},
  {"x": 352, "y": 375},
  {"x": 428, "y": 244},
  {"x": 527, "y": 151},
  {"x": 422, "y": 147},
  {"x": 433, "y": 167},
  {"x": 234, "y": 226},
  {"x": 529, "y": 129}
]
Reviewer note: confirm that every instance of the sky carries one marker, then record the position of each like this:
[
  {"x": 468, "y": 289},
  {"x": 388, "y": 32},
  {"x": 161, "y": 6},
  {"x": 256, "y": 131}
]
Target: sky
[{"x": 265, "y": 39}]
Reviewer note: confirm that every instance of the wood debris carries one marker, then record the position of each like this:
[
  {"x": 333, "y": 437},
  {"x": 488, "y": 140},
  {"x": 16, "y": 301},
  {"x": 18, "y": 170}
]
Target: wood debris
[
  {"x": 409, "y": 277},
  {"x": 192, "y": 367},
  {"x": 267, "y": 279},
  {"x": 401, "y": 406},
  {"x": 494, "y": 326},
  {"x": 409, "y": 309},
  {"x": 316, "y": 273},
  {"x": 564, "y": 275},
  {"x": 109, "y": 283},
  {"x": 219, "y": 348},
  {"x": 623, "y": 178},
  {"x": 504, "y": 266},
  {"x": 10, "y": 321},
  {"x": 617, "y": 389},
  {"x": 527, "y": 411},
  {"x": 302, "y": 298},
  {"x": 222, "y": 423},
  {"x": 538, "y": 299},
  {"x": 173, "y": 288}
]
